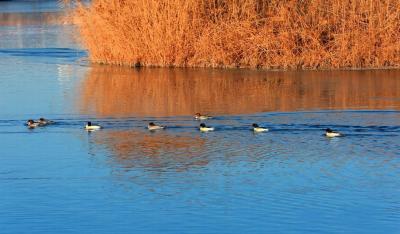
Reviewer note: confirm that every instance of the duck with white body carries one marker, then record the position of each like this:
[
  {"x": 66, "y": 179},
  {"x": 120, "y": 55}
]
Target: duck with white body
[
  {"x": 153, "y": 127},
  {"x": 92, "y": 127}
]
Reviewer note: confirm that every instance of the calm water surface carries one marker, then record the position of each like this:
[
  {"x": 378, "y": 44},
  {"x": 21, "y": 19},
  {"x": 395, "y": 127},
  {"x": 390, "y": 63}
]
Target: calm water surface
[{"x": 123, "y": 179}]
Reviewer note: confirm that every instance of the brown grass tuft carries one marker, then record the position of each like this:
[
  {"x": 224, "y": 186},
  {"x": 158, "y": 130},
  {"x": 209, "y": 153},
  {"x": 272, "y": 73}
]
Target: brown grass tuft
[{"x": 282, "y": 34}]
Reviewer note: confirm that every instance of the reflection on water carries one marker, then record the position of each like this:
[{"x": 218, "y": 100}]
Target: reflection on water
[
  {"x": 181, "y": 146},
  {"x": 28, "y": 6},
  {"x": 124, "y": 179},
  {"x": 37, "y": 28},
  {"x": 154, "y": 151},
  {"x": 31, "y": 18},
  {"x": 115, "y": 91}
]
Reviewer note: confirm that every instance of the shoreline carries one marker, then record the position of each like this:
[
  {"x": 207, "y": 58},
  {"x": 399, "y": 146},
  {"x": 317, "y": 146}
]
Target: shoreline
[{"x": 90, "y": 63}]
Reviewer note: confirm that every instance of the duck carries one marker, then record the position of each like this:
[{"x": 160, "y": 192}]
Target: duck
[
  {"x": 257, "y": 128},
  {"x": 44, "y": 122},
  {"x": 199, "y": 116},
  {"x": 32, "y": 124},
  {"x": 90, "y": 127},
  {"x": 152, "y": 126},
  {"x": 330, "y": 133},
  {"x": 204, "y": 128}
]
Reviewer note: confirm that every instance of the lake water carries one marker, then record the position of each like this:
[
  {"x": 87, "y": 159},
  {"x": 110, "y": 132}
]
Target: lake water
[{"x": 124, "y": 179}]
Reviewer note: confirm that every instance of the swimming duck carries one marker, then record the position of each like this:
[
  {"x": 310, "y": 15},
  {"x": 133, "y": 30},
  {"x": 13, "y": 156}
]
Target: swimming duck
[
  {"x": 204, "y": 128},
  {"x": 90, "y": 127},
  {"x": 199, "y": 116},
  {"x": 32, "y": 124},
  {"x": 257, "y": 128},
  {"x": 44, "y": 122},
  {"x": 330, "y": 133},
  {"x": 152, "y": 126}
]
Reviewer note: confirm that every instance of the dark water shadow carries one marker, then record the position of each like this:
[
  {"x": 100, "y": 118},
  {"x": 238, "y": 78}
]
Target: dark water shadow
[{"x": 62, "y": 53}]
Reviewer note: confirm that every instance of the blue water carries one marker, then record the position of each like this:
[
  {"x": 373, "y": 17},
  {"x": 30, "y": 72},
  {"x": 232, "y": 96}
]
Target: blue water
[{"x": 124, "y": 179}]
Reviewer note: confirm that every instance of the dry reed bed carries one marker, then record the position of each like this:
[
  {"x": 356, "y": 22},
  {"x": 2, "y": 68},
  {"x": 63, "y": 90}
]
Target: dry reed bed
[{"x": 282, "y": 34}]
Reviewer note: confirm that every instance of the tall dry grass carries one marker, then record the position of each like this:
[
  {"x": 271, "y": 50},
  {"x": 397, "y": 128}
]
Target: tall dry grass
[{"x": 283, "y": 34}]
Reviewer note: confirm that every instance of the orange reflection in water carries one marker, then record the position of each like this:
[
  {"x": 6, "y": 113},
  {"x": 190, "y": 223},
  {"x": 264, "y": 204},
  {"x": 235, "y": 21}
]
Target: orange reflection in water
[
  {"x": 122, "y": 91},
  {"x": 32, "y": 18},
  {"x": 154, "y": 150}
]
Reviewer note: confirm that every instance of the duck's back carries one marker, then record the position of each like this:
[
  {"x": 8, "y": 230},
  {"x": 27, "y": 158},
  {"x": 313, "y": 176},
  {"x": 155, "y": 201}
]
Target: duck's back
[{"x": 92, "y": 127}]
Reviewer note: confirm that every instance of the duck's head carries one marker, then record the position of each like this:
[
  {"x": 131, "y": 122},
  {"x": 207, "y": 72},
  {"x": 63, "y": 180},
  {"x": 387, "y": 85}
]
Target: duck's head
[
  {"x": 30, "y": 121},
  {"x": 203, "y": 125},
  {"x": 89, "y": 123},
  {"x": 42, "y": 119},
  {"x": 197, "y": 115},
  {"x": 151, "y": 124},
  {"x": 328, "y": 130},
  {"x": 255, "y": 125}
]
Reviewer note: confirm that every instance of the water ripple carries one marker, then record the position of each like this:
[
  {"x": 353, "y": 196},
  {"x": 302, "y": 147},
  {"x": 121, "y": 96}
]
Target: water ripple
[{"x": 57, "y": 53}]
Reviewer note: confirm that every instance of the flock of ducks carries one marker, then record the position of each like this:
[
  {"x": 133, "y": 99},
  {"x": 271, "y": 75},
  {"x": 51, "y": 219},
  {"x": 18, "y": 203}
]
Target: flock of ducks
[{"x": 154, "y": 127}]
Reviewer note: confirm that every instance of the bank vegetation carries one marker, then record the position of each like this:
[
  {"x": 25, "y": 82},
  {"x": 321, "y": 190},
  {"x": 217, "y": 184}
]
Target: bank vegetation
[{"x": 271, "y": 34}]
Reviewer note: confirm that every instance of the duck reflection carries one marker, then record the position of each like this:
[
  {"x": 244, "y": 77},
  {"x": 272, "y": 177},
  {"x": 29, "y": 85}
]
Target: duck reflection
[{"x": 121, "y": 91}]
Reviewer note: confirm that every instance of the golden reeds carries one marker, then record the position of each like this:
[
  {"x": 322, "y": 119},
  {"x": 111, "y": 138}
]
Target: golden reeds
[{"x": 273, "y": 34}]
